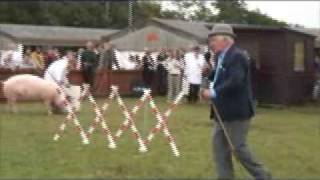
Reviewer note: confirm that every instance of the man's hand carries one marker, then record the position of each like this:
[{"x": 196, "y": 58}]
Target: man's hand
[{"x": 205, "y": 93}]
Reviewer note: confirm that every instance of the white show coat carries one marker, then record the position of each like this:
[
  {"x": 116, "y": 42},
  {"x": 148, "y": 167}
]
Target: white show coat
[
  {"x": 193, "y": 67},
  {"x": 57, "y": 72}
]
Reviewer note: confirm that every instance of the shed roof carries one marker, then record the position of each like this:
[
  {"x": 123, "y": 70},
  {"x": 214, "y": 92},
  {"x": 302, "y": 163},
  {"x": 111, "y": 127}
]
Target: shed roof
[
  {"x": 199, "y": 30},
  {"x": 51, "y": 35},
  {"x": 202, "y": 29},
  {"x": 313, "y": 31},
  {"x": 196, "y": 28}
]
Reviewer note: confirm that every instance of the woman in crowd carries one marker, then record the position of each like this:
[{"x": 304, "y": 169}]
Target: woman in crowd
[
  {"x": 27, "y": 58},
  {"x": 174, "y": 67},
  {"x": 38, "y": 58}
]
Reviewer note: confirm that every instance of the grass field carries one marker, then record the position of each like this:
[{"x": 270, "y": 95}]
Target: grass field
[{"x": 286, "y": 140}]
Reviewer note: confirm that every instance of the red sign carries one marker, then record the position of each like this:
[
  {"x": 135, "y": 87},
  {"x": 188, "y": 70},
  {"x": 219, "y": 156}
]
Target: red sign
[{"x": 152, "y": 36}]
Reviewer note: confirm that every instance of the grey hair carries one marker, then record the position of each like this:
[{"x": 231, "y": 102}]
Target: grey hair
[{"x": 226, "y": 38}]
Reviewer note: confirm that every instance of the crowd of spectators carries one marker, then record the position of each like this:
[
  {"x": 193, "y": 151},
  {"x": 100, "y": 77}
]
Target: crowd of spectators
[
  {"x": 168, "y": 66},
  {"x": 30, "y": 57}
]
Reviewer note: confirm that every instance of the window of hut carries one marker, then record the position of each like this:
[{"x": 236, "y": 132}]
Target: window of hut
[{"x": 299, "y": 57}]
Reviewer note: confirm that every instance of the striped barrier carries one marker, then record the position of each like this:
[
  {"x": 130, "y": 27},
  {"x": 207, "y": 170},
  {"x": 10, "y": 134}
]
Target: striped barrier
[{"x": 128, "y": 122}]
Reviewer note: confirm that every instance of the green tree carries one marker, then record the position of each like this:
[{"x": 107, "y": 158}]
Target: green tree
[
  {"x": 114, "y": 14},
  {"x": 231, "y": 11},
  {"x": 256, "y": 17},
  {"x": 169, "y": 14},
  {"x": 235, "y": 11}
]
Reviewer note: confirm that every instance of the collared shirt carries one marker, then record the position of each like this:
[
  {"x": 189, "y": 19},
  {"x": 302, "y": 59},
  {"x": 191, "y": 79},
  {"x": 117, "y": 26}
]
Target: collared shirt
[{"x": 213, "y": 93}]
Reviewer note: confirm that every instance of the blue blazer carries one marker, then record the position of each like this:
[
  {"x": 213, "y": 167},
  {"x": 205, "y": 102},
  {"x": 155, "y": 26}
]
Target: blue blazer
[{"x": 234, "y": 99}]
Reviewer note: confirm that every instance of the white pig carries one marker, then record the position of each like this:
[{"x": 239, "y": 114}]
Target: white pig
[{"x": 29, "y": 87}]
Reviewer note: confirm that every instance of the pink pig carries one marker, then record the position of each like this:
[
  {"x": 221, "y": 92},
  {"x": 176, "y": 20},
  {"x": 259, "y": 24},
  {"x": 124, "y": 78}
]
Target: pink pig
[{"x": 29, "y": 87}]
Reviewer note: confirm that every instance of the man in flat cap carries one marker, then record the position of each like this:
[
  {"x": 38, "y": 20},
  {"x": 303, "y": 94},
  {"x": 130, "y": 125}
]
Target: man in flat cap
[{"x": 231, "y": 97}]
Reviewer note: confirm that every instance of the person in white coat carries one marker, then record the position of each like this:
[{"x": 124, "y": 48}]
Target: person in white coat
[
  {"x": 12, "y": 58},
  {"x": 58, "y": 71},
  {"x": 194, "y": 63}
]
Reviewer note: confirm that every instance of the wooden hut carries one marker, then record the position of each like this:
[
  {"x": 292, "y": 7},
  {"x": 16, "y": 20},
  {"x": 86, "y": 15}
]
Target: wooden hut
[
  {"x": 283, "y": 56},
  {"x": 284, "y": 61}
]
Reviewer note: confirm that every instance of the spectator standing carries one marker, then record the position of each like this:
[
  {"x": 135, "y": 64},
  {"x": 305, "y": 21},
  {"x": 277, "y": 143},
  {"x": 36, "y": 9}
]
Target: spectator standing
[
  {"x": 27, "y": 59},
  {"x": 108, "y": 58},
  {"x": 89, "y": 61},
  {"x": 316, "y": 86},
  {"x": 209, "y": 68},
  {"x": 17, "y": 57},
  {"x": 133, "y": 62},
  {"x": 38, "y": 58},
  {"x": 194, "y": 62},
  {"x": 50, "y": 57},
  {"x": 317, "y": 64},
  {"x": 6, "y": 58},
  {"x": 138, "y": 61},
  {"x": 162, "y": 72},
  {"x": 184, "y": 83},
  {"x": 209, "y": 59},
  {"x": 174, "y": 67},
  {"x": 79, "y": 54},
  {"x": 148, "y": 68},
  {"x": 12, "y": 58}
]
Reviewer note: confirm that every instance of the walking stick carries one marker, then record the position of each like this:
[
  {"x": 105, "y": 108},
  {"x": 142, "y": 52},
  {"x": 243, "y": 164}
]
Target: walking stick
[
  {"x": 225, "y": 132},
  {"x": 227, "y": 136}
]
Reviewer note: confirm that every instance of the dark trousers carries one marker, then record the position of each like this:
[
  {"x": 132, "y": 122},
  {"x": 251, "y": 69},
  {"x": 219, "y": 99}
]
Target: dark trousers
[
  {"x": 193, "y": 93},
  {"x": 162, "y": 80},
  {"x": 148, "y": 78},
  {"x": 89, "y": 74}
]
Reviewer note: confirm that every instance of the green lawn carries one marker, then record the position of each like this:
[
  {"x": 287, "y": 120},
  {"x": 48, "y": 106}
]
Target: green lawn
[{"x": 286, "y": 140}]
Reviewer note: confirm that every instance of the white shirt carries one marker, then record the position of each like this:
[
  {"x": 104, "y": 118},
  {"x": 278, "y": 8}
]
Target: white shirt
[
  {"x": 57, "y": 72},
  {"x": 173, "y": 66},
  {"x": 15, "y": 58},
  {"x": 124, "y": 61},
  {"x": 193, "y": 67},
  {"x": 5, "y": 55}
]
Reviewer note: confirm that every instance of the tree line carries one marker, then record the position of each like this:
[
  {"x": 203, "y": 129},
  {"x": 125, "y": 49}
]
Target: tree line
[{"x": 114, "y": 14}]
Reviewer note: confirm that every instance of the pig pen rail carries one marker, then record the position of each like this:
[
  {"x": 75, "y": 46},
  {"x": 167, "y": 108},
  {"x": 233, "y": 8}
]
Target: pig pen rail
[{"x": 124, "y": 79}]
